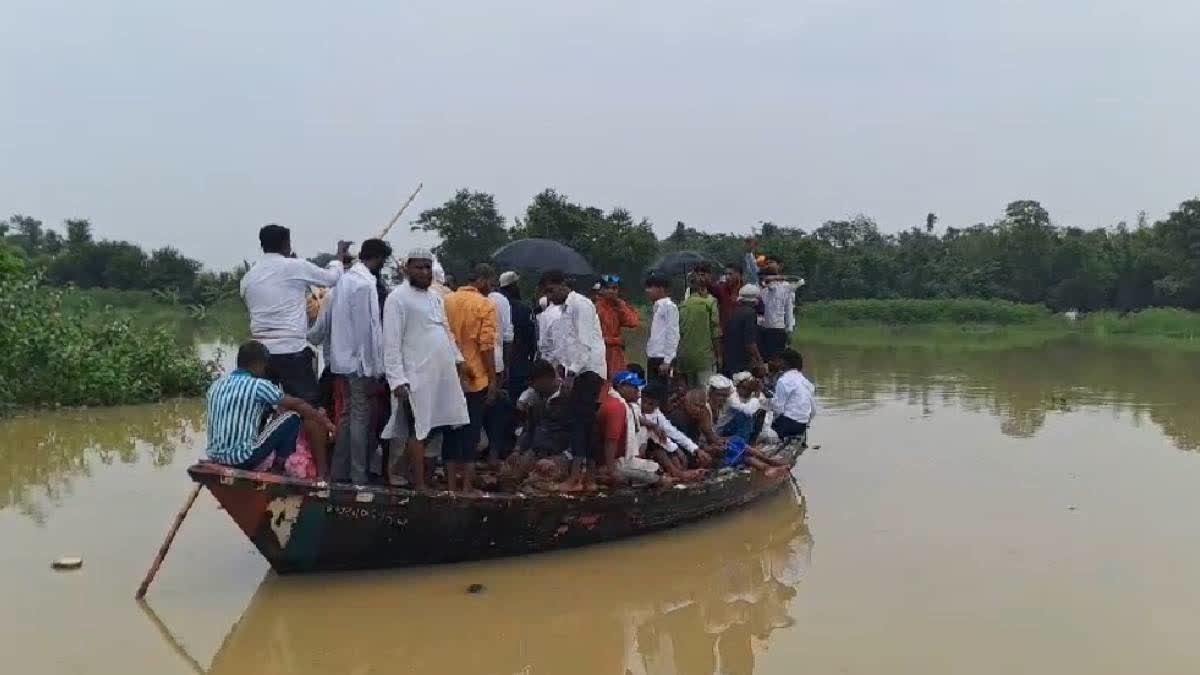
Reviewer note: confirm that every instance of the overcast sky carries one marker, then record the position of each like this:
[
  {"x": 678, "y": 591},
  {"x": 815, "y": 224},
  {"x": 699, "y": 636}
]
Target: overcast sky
[{"x": 193, "y": 124}]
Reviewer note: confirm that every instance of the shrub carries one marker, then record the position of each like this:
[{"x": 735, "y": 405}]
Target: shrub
[{"x": 52, "y": 355}]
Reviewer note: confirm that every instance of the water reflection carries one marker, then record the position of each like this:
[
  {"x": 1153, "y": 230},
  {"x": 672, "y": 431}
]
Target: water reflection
[
  {"x": 42, "y": 452},
  {"x": 702, "y": 599},
  {"x": 1018, "y": 386}
]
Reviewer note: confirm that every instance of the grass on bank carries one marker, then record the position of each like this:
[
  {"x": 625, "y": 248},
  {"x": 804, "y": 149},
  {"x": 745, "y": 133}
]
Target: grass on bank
[{"x": 986, "y": 324}]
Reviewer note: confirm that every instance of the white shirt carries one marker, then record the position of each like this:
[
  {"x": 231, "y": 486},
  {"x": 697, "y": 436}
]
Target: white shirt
[
  {"x": 274, "y": 291},
  {"x": 736, "y": 404},
  {"x": 779, "y": 305},
  {"x": 355, "y": 325},
  {"x": 664, "y": 331},
  {"x": 420, "y": 351},
  {"x": 577, "y": 338},
  {"x": 504, "y": 330},
  {"x": 545, "y": 322},
  {"x": 794, "y": 397},
  {"x": 675, "y": 437}
]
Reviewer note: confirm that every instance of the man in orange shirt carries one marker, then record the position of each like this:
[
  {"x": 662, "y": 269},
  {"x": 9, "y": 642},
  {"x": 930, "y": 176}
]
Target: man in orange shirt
[
  {"x": 473, "y": 322},
  {"x": 615, "y": 314}
]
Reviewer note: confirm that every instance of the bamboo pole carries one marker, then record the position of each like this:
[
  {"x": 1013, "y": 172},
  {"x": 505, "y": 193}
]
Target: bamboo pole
[
  {"x": 388, "y": 228},
  {"x": 166, "y": 545}
]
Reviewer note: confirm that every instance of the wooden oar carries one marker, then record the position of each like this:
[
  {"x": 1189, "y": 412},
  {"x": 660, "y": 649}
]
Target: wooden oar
[{"x": 166, "y": 545}]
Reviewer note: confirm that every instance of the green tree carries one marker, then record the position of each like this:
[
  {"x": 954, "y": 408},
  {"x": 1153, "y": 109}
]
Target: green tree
[
  {"x": 79, "y": 233},
  {"x": 470, "y": 226},
  {"x": 168, "y": 268}
]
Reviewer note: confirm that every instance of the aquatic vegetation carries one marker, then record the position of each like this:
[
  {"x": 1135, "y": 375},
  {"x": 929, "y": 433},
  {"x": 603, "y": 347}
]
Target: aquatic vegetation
[{"x": 53, "y": 354}]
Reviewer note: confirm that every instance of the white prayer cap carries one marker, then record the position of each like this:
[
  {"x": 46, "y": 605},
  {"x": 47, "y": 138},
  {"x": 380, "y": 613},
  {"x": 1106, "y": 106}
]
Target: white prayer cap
[
  {"x": 719, "y": 382},
  {"x": 509, "y": 278},
  {"x": 741, "y": 377},
  {"x": 419, "y": 253},
  {"x": 748, "y": 292}
]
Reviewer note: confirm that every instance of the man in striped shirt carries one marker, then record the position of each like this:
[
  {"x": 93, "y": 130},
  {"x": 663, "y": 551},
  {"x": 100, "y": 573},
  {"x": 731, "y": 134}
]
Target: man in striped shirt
[{"x": 239, "y": 403}]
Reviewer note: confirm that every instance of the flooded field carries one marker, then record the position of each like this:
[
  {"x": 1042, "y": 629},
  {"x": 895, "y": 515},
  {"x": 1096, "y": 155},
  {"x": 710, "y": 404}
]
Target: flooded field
[{"x": 969, "y": 511}]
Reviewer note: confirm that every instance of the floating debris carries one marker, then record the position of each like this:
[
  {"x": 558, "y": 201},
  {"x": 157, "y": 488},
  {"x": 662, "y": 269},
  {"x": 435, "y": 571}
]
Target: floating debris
[
  {"x": 475, "y": 588},
  {"x": 67, "y": 563}
]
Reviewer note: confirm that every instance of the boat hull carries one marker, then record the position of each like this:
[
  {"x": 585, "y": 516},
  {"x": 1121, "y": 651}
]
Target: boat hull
[{"x": 301, "y": 526}]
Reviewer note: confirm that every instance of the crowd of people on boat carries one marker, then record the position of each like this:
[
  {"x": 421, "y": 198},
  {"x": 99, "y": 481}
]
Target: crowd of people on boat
[{"x": 540, "y": 393}]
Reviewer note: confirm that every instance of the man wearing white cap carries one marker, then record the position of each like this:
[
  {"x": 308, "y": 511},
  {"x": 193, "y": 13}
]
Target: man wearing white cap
[
  {"x": 421, "y": 359},
  {"x": 740, "y": 339}
]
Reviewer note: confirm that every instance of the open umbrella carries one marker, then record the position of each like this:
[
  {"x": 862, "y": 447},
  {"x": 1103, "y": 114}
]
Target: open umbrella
[
  {"x": 680, "y": 262},
  {"x": 540, "y": 255}
]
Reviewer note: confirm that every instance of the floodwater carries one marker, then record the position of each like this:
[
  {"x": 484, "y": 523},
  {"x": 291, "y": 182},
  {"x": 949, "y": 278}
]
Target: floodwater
[{"x": 969, "y": 511}]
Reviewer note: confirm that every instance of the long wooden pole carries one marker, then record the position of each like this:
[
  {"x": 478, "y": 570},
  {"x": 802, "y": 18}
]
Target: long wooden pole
[
  {"x": 166, "y": 545},
  {"x": 388, "y": 228}
]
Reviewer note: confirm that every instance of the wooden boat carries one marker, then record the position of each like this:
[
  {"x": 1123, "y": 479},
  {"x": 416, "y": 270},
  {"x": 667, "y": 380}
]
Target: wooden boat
[{"x": 302, "y": 526}]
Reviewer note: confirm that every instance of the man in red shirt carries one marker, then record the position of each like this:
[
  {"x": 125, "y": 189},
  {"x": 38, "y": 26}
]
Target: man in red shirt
[{"x": 623, "y": 436}]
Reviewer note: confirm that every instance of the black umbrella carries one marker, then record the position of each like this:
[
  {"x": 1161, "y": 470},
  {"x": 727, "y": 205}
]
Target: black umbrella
[
  {"x": 680, "y": 262},
  {"x": 540, "y": 255}
]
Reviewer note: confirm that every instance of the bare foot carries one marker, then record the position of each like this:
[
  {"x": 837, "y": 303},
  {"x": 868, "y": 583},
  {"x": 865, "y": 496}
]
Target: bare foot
[{"x": 775, "y": 472}]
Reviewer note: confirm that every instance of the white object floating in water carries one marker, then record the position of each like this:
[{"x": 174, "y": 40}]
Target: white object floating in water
[{"x": 67, "y": 563}]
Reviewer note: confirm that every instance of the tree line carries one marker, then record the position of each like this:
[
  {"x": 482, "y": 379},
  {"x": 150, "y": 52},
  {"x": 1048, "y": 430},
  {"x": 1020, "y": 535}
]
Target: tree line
[
  {"x": 76, "y": 258},
  {"x": 1022, "y": 256}
]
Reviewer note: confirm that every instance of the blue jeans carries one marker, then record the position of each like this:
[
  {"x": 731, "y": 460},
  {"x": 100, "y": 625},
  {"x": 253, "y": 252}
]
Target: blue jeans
[{"x": 279, "y": 437}]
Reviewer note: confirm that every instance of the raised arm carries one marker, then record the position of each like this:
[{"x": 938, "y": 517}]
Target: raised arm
[{"x": 302, "y": 270}]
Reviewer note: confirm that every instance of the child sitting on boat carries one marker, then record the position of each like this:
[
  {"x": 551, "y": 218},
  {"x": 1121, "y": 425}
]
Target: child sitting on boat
[{"x": 238, "y": 404}]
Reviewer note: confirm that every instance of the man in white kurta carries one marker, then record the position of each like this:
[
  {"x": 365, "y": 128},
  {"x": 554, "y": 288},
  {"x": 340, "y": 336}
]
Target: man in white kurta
[{"x": 421, "y": 359}]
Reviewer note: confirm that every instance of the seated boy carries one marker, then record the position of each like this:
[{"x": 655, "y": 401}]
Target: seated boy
[
  {"x": 793, "y": 402},
  {"x": 239, "y": 403},
  {"x": 540, "y": 412}
]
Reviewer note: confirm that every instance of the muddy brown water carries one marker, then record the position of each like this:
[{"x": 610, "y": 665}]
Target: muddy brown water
[{"x": 997, "y": 511}]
